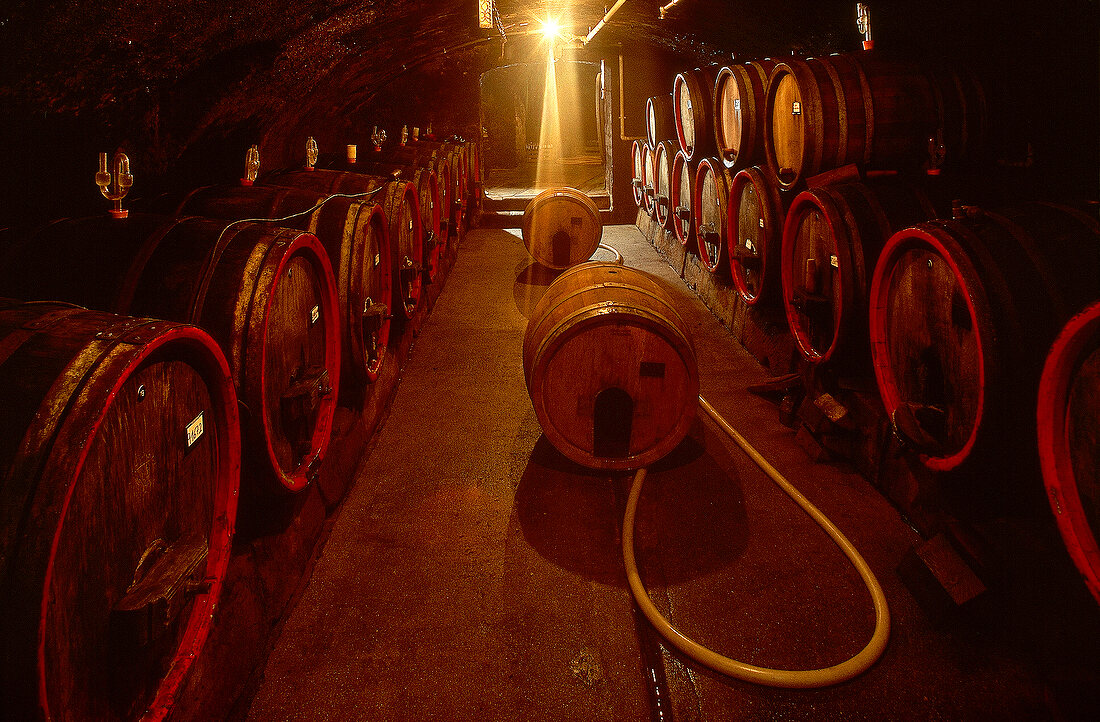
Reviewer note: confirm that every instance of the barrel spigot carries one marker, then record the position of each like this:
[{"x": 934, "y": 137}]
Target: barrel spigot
[
  {"x": 251, "y": 166},
  {"x": 863, "y": 22},
  {"x": 114, "y": 185},
  {"x": 312, "y": 152}
]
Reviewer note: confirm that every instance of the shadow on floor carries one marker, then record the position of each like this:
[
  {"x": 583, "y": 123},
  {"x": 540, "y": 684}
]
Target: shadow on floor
[
  {"x": 690, "y": 522},
  {"x": 532, "y": 280}
]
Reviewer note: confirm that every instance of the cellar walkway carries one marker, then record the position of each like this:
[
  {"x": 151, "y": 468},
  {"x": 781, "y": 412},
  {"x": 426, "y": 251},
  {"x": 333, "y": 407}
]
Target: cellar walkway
[{"x": 475, "y": 574}]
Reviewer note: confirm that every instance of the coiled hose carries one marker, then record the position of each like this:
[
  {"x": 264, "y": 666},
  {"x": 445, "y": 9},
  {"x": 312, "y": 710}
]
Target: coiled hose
[{"x": 741, "y": 670}]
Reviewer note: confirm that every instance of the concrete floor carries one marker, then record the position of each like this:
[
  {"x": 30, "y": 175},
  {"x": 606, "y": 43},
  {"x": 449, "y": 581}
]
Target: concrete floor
[{"x": 474, "y": 573}]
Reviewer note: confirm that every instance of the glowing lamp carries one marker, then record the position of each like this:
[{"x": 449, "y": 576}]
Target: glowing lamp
[{"x": 485, "y": 13}]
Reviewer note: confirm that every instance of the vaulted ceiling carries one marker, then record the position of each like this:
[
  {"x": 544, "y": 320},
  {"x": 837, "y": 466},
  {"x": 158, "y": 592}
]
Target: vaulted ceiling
[{"x": 179, "y": 78}]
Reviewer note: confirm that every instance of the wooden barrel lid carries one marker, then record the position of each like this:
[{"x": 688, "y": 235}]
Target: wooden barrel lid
[
  {"x": 610, "y": 367},
  {"x": 561, "y": 227},
  {"x": 680, "y": 200},
  {"x": 711, "y": 204},
  {"x": 755, "y": 221},
  {"x": 131, "y": 466}
]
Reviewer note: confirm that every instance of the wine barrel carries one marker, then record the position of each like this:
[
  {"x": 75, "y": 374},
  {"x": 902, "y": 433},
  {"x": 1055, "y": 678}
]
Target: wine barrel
[
  {"x": 266, "y": 294},
  {"x": 711, "y": 203},
  {"x": 682, "y": 191},
  {"x": 1068, "y": 415},
  {"x": 354, "y": 235},
  {"x": 825, "y": 113},
  {"x": 647, "y": 180},
  {"x": 961, "y": 124},
  {"x": 401, "y": 205},
  {"x": 662, "y": 183},
  {"x": 831, "y": 239},
  {"x": 120, "y": 454},
  {"x": 757, "y": 210},
  {"x": 637, "y": 175},
  {"x": 424, "y": 179},
  {"x": 660, "y": 121},
  {"x": 610, "y": 366},
  {"x": 561, "y": 227},
  {"x": 739, "y": 118},
  {"x": 962, "y": 313},
  {"x": 443, "y": 158},
  {"x": 693, "y": 110}
]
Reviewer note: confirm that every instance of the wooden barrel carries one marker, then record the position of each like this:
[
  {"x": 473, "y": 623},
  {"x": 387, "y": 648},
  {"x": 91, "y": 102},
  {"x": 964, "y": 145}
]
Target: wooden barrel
[
  {"x": 757, "y": 211},
  {"x": 647, "y": 179},
  {"x": 962, "y": 313},
  {"x": 422, "y": 177},
  {"x": 739, "y": 119},
  {"x": 354, "y": 234},
  {"x": 662, "y": 183},
  {"x": 443, "y": 158},
  {"x": 1068, "y": 415},
  {"x": 825, "y": 113},
  {"x": 711, "y": 203},
  {"x": 120, "y": 455},
  {"x": 831, "y": 239},
  {"x": 660, "y": 121},
  {"x": 401, "y": 204},
  {"x": 637, "y": 174},
  {"x": 961, "y": 125},
  {"x": 693, "y": 110},
  {"x": 610, "y": 367},
  {"x": 266, "y": 294},
  {"x": 561, "y": 227},
  {"x": 682, "y": 191}
]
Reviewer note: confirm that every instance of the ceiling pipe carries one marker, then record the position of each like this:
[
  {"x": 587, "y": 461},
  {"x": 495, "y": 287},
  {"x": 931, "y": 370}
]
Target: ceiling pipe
[
  {"x": 600, "y": 24},
  {"x": 666, "y": 8}
]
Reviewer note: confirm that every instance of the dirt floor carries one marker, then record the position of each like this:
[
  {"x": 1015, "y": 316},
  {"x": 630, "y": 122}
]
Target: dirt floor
[{"x": 475, "y": 573}]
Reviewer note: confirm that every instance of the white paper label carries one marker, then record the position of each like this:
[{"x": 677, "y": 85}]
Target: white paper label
[
  {"x": 761, "y": 222},
  {"x": 834, "y": 261},
  {"x": 315, "y": 314},
  {"x": 737, "y": 104},
  {"x": 194, "y": 430},
  {"x": 377, "y": 258},
  {"x": 796, "y": 108}
]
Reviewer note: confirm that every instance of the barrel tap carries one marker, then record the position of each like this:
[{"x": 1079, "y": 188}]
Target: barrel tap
[
  {"x": 251, "y": 166},
  {"x": 115, "y": 185}
]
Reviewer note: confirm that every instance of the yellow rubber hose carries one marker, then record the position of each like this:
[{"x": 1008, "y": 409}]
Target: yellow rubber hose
[{"x": 741, "y": 670}]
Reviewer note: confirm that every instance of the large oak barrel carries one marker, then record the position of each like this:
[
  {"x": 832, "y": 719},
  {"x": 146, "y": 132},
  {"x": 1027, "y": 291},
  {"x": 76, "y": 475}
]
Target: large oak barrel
[
  {"x": 637, "y": 174},
  {"x": 423, "y": 177},
  {"x": 693, "y": 109},
  {"x": 757, "y": 211},
  {"x": 120, "y": 460},
  {"x": 266, "y": 294},
  {"x": 662, "y": 183},
  {"x": 711, "y": 205},
  {"x": 610, "y": 367},
  {"x": 647, "y": 179},
  {"x": 962, "y": 312},
  {"x": 825, "y": 113},
  {"x": 660, "y": 121},
  {"x": 442, "y": 157},
  {"x": 682, "y": 190},
  {"x": 401, "y": 204},
  {"x": 1068, "y": 415},
  {"x": 739, "y": 117},
  {"x": 354, "y": 234},
  {"x": 831, "y": 240},
  {"x": 561, "y": 227}
]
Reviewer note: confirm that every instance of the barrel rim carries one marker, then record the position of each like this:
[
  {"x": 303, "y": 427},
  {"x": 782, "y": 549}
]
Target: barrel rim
[
  {"x": 303, "y": 244},
  {"x": 1055, "y": 463},
  {"x": 717, "y": 169},
  {"x": 939, "y": 239}
]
